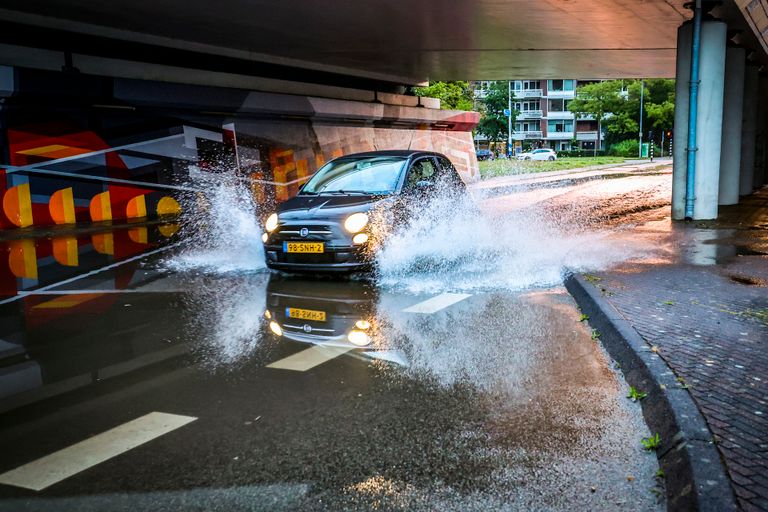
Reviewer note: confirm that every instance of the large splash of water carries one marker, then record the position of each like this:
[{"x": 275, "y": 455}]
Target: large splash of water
[
  {"x": 455, "y": 243},
  {"x": 223, "y": 234}
]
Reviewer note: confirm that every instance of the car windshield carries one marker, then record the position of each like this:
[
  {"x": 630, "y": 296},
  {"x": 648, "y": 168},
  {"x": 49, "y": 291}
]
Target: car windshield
[{"x": 375, "y": 175}]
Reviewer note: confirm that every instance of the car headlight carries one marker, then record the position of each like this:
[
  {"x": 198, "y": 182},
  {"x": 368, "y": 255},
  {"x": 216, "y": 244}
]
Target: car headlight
[
  {"x": 264, "y": 237},
  {"x": 356, "y": 222},
  {"x": 275, "y": 328},
  {"x": 271, "y": 223}
]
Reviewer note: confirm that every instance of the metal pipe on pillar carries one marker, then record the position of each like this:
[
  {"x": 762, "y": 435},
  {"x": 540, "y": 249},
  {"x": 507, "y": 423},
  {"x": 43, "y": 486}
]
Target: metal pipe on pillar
[
  {"x": 679, "y": 153},
  {"x": 693, "y": 96}
]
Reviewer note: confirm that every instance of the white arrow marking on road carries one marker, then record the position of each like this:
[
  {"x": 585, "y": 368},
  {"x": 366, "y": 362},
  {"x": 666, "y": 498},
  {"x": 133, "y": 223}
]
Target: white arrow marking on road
[
  {"x": 309, "y": 358},
  {"x": 54, "y": 468},
  {"x": 437, "y": 303}
]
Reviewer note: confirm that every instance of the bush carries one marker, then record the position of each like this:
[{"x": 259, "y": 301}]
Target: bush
[
  {"x": 625, "y": 148},
  {"x": 579, "y": 153}
]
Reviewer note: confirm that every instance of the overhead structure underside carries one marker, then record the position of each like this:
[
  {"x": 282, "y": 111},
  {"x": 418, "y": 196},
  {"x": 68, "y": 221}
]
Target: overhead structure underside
[{"x": 396, "y": 42}]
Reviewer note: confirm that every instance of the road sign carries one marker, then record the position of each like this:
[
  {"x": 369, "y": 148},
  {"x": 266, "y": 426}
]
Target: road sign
[{"x": 506, "y": 112}]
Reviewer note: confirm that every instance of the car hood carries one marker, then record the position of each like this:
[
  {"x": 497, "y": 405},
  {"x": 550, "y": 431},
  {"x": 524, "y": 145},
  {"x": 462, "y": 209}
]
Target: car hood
[{"x": 327, "y": 206}]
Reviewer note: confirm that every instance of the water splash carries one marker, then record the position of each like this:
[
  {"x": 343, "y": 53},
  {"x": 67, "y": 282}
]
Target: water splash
[
  {"x": 452, "y": 243},
  {"x": 223, "y": 235}
]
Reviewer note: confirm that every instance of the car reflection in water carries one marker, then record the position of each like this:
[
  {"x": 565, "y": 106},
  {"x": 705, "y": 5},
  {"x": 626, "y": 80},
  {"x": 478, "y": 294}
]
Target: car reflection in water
[{"x": 328, "y": 313}]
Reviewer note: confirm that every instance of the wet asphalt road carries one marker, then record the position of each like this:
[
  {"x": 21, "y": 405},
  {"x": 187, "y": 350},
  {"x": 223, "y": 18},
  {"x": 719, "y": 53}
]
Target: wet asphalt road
[{"x": 445, "y": 399}]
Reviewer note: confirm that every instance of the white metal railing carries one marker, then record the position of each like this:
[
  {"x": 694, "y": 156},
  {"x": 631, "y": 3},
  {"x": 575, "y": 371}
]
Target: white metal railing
[
  {"x": 528, "y": 93},
  {"x": 586, "y": 135},
  {"x": 529, "y": 114},
  {"x": 561, "y": 94},
  {"x": 526, "y": 135},
  {"x": 563, "y": 114},
  {"x": 559, "y": 135}
]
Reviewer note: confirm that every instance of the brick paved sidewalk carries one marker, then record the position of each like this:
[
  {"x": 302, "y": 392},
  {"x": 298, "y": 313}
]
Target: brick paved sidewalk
[{"x": 708, "y": 318}]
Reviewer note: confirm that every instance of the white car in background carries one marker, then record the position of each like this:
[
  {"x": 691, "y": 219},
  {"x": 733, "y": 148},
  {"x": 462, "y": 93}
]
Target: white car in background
[{"x": 538, "y": 154}]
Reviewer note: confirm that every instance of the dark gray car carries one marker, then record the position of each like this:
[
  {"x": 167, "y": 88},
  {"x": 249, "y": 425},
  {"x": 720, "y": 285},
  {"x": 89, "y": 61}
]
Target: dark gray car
[{"x": 328, "y": 226}]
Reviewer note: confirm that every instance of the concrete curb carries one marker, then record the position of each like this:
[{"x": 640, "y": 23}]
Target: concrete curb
[{"x": 696, "y": 478}]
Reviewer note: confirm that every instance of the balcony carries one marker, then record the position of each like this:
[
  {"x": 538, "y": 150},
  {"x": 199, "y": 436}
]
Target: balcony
[
  {"x": 529, "y": 114},
  {"x": 559, "y": 135},
  {"x": 528, "y": 93},
  {"x": 564, "y": 114},
  {"x": 526, "y": 135},
  {"x": 586, "y": 135},
  {"x": 568, "y": 95}
]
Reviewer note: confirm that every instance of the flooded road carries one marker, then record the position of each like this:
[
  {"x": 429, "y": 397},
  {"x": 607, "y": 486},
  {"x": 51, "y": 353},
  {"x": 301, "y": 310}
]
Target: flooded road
[{"x": 142, "y": 371}]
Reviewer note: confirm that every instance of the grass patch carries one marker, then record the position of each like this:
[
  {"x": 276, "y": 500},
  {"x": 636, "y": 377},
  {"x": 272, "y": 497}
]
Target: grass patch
[
  {"x": 651, "y": 443},
  {"x": 493, "y": 168}
]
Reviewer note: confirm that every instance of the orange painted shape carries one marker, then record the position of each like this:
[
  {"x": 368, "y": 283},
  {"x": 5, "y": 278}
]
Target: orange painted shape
[
  {"x": 100, "y": 207},
  {"x": 42, "y": 150},
  {"x": 168, "y": 206},
  {"x": 22, "y": 259},
  {"x": 17, "y": 205},
  {"x": 104, "y": 243},
  {"x": 65, "y": 251},
  {"x": 136, "y": 207},
  {"x": 138, "y": 235},
  {"x": 62, "y": 206},
  {"x": 67, "y": 301}
]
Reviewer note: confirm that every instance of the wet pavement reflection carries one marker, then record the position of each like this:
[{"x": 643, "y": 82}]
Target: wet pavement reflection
[{"x": 316, "y": 394}]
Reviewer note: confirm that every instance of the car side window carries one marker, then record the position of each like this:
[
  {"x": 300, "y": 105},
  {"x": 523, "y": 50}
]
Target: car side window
[
  {"x": 448, "y": 171},
  {"x": 421, "y": 170}
]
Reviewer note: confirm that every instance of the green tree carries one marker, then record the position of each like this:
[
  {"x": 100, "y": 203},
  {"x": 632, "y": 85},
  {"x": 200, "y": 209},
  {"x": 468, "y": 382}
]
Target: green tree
[
  {"x": 452, "y": 95},
  {"x": 621, "y": 98},
  {"x": 599, "y": 100},
  {"x": 660, "y": 110},
  {"x": 493, "y": 122}
]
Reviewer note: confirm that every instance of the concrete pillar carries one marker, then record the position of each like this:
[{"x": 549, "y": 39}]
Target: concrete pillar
[
  {"x": 761, "y": 156},
  {"x": 680, "y": 133},
  {"x": 709, "y": 123},
  {"x": 748, "y": 130},
  {"x": 733, "y": 104}
]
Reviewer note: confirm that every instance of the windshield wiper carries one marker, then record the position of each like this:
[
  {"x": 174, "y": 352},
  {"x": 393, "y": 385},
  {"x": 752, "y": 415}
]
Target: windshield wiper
[{"x": 362, "y": 192}]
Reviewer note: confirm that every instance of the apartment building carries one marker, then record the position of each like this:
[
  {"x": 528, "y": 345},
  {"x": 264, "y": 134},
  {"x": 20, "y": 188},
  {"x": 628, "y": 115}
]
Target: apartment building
[{"x": 543, "y": 119}]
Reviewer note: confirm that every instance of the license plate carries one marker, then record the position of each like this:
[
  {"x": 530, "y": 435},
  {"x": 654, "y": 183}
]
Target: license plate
[
  {"x": 305, "y": 314},
  {"x": 303, "y": 247}
]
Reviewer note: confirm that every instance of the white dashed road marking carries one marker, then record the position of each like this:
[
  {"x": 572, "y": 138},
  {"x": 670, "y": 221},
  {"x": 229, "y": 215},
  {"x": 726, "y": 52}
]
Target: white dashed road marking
[
  {"x": 309, "y": 358},
  {"x": 437, "y": 303},
  {"x": 54, "y": 468}
]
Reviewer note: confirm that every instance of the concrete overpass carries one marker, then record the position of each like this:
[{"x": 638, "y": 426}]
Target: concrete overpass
[{"x": 283, "y": 86}]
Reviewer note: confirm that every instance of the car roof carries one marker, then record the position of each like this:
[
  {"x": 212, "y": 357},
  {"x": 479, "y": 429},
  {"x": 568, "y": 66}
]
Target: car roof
[{"x": 404, "y": 153}]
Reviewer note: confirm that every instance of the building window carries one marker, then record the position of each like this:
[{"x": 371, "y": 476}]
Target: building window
[
  {"x": 561, "y": 85},
  {"x": 524, "y": 106},
  {"x": 560, "y": 126}
]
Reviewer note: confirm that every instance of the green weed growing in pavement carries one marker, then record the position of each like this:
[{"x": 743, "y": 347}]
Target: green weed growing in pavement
[
  {"x": 651, "y": 443},
  {"x": 669, "y": 303},
  {"x": 636, "y": 395},
  {"x": 682, "y": 382},
  {"x": 591, "y": 278},
  {"x": 660, "y": 473},
  {"x": 595, "y": 334},
  {"x": 583, "y": 317}
]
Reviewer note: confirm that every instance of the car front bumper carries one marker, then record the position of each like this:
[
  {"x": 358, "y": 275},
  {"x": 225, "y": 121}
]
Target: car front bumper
[{"x": 334, "y": 259}]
